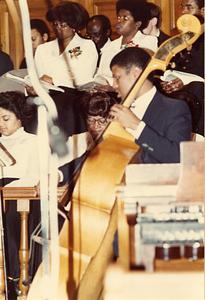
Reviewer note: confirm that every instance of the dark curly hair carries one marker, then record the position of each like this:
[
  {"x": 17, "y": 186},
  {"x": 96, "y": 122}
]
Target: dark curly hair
[
  {"x": 72, "y": 13},
  {"x": 40, "y": 26},
  {"x": 16, "y": 103},
  {"x": 98, "y": 103},
  {"x": 135, "y": 7}
]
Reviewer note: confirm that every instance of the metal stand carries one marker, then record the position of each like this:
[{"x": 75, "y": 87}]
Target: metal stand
[{"x": 3, "y": 272}]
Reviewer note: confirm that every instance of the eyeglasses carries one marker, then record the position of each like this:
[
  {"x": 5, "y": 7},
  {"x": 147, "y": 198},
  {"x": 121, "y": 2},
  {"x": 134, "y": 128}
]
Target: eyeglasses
[
  {"x": 61, "y": 25},
  {"x": 189, "y": 7},
  {"x": 95, "y": 36},
  {"x": 96, "y": 120},
  {"x": 124, "y": 18}
]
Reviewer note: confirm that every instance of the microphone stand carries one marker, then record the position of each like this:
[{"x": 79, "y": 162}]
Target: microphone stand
[
  {"x": 6, "y": 159},
  {"x": 47, "y": 115},
  {"x": 2, "y": 240}
]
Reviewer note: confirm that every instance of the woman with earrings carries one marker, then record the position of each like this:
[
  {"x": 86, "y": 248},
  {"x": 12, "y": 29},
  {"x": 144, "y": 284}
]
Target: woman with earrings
[{"x": 61, "y": 62}]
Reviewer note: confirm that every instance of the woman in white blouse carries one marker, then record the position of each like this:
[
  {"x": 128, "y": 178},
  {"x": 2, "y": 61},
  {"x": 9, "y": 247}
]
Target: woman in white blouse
[
  {"x": 15, "y": 113},
  {"x": 21, "y": 145},
  {"x": 24, "y": 172},
  {"x": 69, "y": 60}
]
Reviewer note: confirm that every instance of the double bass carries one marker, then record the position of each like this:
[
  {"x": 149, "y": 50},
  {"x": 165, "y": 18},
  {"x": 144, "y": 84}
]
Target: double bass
[{"x": 86, "y": 240}]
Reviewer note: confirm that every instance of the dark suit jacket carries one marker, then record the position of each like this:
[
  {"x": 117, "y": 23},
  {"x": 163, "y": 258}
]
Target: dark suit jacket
[
  {"x": 162, "y": 37},
  {"x": 5, "y": 63},
  {"x": 168, "y": 122},
  {"x": 192, "y": 61}
]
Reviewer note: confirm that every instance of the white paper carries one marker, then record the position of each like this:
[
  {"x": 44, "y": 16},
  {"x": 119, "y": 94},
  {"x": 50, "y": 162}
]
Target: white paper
[
  {"x": 26, "y": 80},
  {"x": 186, "y": 78}
]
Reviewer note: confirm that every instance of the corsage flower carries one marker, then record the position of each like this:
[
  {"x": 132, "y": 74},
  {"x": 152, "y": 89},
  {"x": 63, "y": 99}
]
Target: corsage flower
[
  {"x": 129, "y": 44},
  {"x": 75, "y": 52}
]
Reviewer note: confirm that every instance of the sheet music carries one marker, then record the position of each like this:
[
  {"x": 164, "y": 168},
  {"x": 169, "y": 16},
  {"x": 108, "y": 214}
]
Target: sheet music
[
  {"x": 26, "y": 81},
  {"x": 185, "y": 77}
]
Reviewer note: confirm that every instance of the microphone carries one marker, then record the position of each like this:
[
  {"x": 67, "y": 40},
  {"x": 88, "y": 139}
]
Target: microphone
[{"x": 57, "y": 139}]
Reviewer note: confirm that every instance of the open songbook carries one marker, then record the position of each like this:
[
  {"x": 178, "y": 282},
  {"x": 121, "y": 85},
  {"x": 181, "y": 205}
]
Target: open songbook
[
  {"x": 185, "y": 77},
  {"x": 6, "y": 159},
  {"x": 20, "y": 77}
]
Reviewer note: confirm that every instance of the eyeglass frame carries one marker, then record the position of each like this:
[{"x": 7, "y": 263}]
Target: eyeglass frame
[
  {"x": 61, "y": 25},
  {"x": 92, "y": 120}
]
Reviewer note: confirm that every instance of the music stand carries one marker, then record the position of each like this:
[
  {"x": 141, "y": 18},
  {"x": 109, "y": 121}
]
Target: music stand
[{"x": 6, "y": 160}]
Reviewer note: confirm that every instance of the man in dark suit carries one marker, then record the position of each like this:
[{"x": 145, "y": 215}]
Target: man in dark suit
[
  {"x": 157, "y": 123},
  {"x": 6, "y": 63}
]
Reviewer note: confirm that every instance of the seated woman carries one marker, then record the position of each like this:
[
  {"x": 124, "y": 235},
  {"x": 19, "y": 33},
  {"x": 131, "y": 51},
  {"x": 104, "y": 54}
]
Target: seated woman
[
  {"x": 14, "y": 113},
  {"x": 95, "y": 108},
  {"x": 63, "y": 60},
  {"x": 39, "y": 35}
]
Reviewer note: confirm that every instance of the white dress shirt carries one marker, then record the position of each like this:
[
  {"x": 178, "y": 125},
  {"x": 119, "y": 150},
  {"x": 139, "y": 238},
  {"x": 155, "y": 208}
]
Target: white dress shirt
[
  {"x": 67, "y": 69},
  {"x": 107, "y": 44},
  {"x": 139, "y": 107},
  {"x": 140, "y": 40}
]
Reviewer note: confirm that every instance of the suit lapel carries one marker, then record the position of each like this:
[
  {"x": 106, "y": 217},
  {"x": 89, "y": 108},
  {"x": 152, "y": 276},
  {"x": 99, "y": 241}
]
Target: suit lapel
[{"x": 153, "y": 111}]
